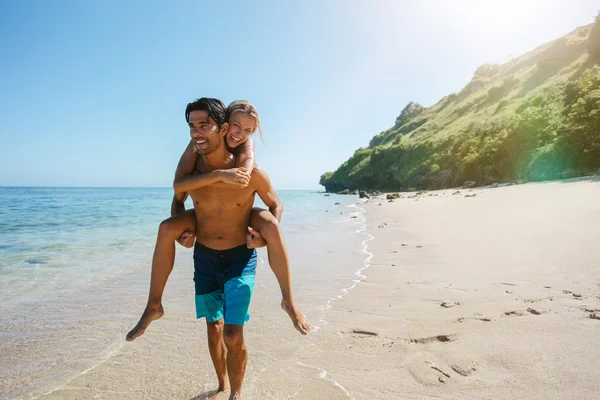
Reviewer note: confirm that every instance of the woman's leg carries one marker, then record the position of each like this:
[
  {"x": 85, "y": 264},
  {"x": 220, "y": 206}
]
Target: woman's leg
[
  {"x": 162, "y": 264},
  {"x": 268, "y": 226}
]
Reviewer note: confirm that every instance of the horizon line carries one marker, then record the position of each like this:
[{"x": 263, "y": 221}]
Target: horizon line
[{"x": 105, "y": 187}]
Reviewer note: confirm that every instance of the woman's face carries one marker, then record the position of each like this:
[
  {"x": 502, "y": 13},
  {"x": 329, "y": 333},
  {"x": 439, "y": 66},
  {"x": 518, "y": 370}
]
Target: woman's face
[{"x": 241, "y": 126}]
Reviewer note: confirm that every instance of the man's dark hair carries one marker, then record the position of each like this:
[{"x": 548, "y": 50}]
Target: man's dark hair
[{"x": 215, "y": 107}]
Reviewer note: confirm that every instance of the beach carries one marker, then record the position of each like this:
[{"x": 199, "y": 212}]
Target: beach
[
  {"x": 431, "y": 295},
  {"x": 495, "y": 296}
]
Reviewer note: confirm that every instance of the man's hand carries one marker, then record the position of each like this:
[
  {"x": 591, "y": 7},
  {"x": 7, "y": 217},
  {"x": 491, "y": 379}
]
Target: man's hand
[
  {"x": 236, "y": 176},
  {"x": 187, "y": 238},
  {"x": 254, "y": 239}
]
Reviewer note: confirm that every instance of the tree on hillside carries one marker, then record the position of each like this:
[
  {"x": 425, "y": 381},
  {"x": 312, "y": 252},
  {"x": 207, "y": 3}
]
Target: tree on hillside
[
  {"x": 411, "y": 110},
  {"x": 594, "y": 41},
  {"x": 582, "y": 112}
]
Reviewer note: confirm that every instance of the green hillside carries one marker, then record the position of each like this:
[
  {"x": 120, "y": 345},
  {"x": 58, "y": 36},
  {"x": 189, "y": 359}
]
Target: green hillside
[{"x": 536, "y": 117}]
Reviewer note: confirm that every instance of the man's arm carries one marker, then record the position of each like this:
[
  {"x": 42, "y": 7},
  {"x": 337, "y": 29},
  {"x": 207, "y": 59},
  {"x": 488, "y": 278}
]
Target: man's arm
[
  {"x": 178, "y": 203},
  {"x": 266, "y": 192}
]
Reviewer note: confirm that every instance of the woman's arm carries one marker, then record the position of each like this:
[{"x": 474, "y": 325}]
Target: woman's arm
[
  {"x": 217, "y": 177},
  {"x": 240, "y": 176},
  {"x": 267, "y": 194},
  {"x": 185, "y": 181},
  {"x": 184, "y": 167},
  {"x": 245, "y": 156},
  {"x": 187, "y": 162}
]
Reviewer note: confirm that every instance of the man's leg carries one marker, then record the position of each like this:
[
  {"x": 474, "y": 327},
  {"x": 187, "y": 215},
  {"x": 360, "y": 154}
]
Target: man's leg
[
  {"x": 241, "y": 265},
  {"x": 237, "y": 358},
  {"x": 218, "y": 354},
  {"x": 268, "y": 226},
  {"x": 162, "y": 265}
]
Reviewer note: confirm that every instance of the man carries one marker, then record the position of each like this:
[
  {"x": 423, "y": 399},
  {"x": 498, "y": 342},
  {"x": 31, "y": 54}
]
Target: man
[{"x": 224, "y": 267}]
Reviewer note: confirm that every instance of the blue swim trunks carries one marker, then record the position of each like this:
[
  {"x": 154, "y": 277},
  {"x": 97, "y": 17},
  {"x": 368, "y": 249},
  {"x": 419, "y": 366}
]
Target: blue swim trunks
[{"x": 224, "y": 283}]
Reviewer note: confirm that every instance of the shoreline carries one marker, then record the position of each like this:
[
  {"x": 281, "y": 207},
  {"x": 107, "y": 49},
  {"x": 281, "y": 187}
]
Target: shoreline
[{"x": 361, "y": 218}]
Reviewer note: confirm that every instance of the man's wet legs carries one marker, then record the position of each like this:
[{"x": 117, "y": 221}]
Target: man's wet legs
[
  {"x": 218, "y": 354},
  {"x": 237, "y": 358}
]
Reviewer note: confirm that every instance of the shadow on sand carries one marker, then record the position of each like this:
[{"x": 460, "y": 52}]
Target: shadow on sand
[{"x": 205, "y": 395}]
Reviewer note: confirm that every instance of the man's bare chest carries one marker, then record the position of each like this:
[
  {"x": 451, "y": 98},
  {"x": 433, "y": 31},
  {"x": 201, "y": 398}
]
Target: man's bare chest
[{"x": 211, "y": 199}]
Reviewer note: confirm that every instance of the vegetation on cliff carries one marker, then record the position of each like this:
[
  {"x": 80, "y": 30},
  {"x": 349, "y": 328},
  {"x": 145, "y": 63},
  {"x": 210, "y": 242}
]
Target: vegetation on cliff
[{"x": 536, "y": 117}]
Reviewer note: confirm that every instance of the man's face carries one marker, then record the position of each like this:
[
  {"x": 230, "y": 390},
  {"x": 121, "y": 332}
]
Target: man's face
[
  {"x": 241, "y": 126},
  {"x": 205, "y": 132}
]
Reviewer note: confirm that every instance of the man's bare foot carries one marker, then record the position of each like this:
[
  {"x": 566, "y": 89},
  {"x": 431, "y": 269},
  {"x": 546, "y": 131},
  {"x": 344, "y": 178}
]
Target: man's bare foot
[
  {"x": 149, "y": 315},
  {"x": 300, "y": 322},
  {"x": 220, "y": 394}
]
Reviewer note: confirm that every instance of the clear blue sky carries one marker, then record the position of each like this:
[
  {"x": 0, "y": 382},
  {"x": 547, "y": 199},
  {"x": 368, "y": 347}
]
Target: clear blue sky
[{"x": 92, "y": 93}]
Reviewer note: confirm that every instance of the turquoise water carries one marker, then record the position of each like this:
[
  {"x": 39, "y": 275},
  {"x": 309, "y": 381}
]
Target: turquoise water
[
  {"x": 67, "y": 238},
  {"x": 71, "y": 258}
]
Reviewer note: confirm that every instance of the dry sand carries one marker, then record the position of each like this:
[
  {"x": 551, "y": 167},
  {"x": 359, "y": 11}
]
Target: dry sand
[{"x": 519, "y": 268}]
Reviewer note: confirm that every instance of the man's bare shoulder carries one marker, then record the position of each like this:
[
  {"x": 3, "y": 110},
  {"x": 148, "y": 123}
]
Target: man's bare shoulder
[
  {"x": 259, "y": 177},
  {"x": 259, "y": 172}
]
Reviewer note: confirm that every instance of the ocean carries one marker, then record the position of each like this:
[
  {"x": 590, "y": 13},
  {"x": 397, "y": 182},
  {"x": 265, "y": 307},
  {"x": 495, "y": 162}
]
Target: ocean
[{"x": 75, "y": 267}]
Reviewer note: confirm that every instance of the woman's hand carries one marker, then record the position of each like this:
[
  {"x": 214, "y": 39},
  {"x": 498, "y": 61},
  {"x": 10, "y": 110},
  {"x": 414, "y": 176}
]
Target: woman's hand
[
  {"x": 235, "y": 176},
  {"x": 187, "y": 238},
  {"x": 254, "y": 239}
]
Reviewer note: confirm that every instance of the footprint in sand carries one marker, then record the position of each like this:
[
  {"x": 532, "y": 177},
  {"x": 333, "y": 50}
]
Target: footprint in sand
[
  {"x": 591, "y": 310},
  {"x": 520, "y": 314},
  {"x": 461, "y": 371},
  {"x": 438, "y": 338},
  {"x": 462, "y": 319},
  {"x": 364, "y": 332},
  {"x": 456, "y": 368},
  {"x": 441, "y": 372}
]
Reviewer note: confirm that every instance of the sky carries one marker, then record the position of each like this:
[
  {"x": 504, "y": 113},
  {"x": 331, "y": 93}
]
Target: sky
[{"x": 93, "y": 93}]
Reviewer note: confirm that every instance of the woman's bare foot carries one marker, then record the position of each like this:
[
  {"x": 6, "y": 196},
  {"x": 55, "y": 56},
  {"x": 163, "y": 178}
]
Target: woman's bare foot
[
  {"x": 300, "y": 322},
  {"x": 150, "y": 314}
]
